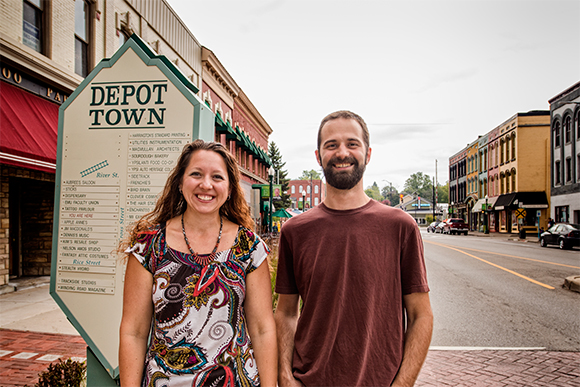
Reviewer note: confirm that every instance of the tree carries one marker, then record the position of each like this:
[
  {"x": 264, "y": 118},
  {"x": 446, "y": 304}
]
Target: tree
[
  {"x": 391, "y": 194},
  {"x": 443, "y": 193},
  {"x": 276, "y": 159},
  {"x": 374, "y": 192},
  {"x": 306, "y": 175},
  {"x": 420, "y": 185}
]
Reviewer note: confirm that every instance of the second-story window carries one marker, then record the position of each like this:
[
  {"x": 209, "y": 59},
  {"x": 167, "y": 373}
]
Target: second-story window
[
  {"x": 557, "y": 134},
  {"x": 81, "y": 38},
  {"x": 501, "y": 145},
  {"x": 316, "y": 190},
  {"x": 32, "y": 24},
  {"x": 293, "y": 189},
  {"x": 567, "y": 129},
  {"x": 568, "y": 169},
  {"x": 577, "y": 125},
  {"x": 513, "y": 146},
  {"x": 557, "y": 180}
]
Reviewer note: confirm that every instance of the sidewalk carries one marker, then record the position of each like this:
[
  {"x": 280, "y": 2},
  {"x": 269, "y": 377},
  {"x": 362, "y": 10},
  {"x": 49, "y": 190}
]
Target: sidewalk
[{"x": 34, "y": 333}]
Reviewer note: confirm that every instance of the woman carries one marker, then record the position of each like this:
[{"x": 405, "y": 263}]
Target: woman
[{"x": 195, "y": 295}]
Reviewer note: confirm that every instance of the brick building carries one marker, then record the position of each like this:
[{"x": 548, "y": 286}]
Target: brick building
[
  {"x": 510, "y": 174},
  {"x": 47, "y": 48},
  {"x": 565, "y": 155},
  {"x": 311, "y": 192}
]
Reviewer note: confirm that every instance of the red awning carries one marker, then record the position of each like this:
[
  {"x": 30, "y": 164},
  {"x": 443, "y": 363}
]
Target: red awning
[{"x": 28, "y": 129}]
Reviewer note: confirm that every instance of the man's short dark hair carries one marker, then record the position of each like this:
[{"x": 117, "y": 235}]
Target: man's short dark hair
[{"x": 345, "y": 114}]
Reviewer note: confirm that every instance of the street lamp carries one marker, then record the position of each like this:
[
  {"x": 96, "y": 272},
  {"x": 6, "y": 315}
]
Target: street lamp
[
  {"x": 303, "y": 200},
  {"x": 485, "y": 218},
  {"x": 271, "y": 172},
  {"x": 451, "y": 210}
]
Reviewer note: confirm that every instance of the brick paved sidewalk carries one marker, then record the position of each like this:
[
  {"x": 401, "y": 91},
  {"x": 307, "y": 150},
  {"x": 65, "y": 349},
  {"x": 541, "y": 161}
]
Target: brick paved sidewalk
[
  {"x": 498, "y": 368},
  {"x": 23, "y": 355}
]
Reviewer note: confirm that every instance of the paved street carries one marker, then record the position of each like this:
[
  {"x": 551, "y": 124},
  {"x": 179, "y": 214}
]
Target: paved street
[
  {"x": 500, "y": 293},
  {"x": 34, "y": 333}
]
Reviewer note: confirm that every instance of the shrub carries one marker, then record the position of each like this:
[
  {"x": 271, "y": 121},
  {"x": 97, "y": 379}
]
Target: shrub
[
  {"x": 63, "y": 374},
  {"x": 272, "y": 243}
]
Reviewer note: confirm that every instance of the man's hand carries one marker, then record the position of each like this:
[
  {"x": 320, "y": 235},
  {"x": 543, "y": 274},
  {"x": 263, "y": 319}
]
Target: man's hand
[
  {"x": 417, "y": 338},
  {"x": 286, "y": 318}
]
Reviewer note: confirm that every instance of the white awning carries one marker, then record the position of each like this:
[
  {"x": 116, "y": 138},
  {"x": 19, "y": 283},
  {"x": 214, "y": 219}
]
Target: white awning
[{"x": 481, "y": 203}]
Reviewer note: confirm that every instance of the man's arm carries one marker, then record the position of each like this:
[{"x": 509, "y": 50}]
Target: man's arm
[
  {"x": 286, "y": 318},
  {"x": 417, "y": 338}
]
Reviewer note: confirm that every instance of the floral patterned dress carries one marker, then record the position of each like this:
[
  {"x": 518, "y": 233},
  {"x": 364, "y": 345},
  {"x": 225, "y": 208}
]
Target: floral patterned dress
[{"x": 199, "y": 335}]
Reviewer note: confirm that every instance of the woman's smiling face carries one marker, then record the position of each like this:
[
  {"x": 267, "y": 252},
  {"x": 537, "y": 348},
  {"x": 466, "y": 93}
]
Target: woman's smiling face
[{"x": 205, "y": 184}]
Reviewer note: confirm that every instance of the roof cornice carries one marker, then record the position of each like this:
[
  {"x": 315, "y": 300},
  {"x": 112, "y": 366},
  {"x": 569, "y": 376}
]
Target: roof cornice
[
  {"x": 213, "y": 67},
  {"x": 248, "y": 107}
]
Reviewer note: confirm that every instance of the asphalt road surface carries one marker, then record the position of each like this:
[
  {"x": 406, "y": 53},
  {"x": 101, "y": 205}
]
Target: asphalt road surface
[{"x": 491, "y": 292}]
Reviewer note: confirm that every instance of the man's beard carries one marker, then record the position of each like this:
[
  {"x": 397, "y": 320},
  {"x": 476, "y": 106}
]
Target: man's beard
[{"x": 344, "y": 180}]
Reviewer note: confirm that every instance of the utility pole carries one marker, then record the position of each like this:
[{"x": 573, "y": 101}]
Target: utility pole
[
  {"x": 434, "y": 198},
  {"x": 436, "y": 186}
]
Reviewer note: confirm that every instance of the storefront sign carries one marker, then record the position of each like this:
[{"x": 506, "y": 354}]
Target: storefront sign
[
  {"x": 23, "y": 80},
  {"x": 276, "y": 191},
  {"x": 120, "y": 134}
]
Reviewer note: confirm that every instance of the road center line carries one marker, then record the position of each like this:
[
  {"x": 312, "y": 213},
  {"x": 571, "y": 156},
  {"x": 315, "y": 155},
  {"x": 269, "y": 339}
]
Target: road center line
[
  {"x": 527, "y": 259},
  {"x": 494, "y": 265}
]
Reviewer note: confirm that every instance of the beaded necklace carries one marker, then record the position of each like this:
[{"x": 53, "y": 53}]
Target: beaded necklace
[{"x": 203, "y": 261}]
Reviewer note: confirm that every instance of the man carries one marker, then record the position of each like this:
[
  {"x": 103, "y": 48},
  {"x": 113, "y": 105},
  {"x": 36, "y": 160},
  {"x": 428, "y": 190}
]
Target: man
[{"x": 358, "y": 266}]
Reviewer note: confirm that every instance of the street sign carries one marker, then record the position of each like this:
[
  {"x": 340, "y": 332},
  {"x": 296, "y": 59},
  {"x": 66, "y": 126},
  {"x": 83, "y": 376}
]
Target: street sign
[
  {"x": 120, "y": 134},
  {"x": 520, "y": 213}
]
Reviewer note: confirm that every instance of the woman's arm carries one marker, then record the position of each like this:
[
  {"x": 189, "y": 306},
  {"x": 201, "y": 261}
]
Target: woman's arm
[
  {"x": 261, "y": 326},
  {"x": 136, "y": 322}
]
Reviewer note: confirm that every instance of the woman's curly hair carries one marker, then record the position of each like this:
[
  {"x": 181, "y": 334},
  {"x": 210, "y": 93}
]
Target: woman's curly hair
[{"x": 171, "y": 202}]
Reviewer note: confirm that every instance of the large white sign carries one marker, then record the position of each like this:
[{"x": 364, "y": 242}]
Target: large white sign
[{"x": 120, "y": 134}]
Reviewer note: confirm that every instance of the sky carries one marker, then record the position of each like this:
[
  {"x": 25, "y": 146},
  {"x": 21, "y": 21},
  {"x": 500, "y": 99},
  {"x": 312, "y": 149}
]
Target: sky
[{"x": 428, "y": 77}]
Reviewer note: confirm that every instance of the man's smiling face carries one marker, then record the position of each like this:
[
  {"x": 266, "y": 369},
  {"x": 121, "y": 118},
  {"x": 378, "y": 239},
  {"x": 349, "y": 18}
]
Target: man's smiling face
[{"x": 343, "y": 155}]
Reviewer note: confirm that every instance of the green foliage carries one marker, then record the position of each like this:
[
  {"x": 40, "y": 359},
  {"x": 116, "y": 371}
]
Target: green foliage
[
  {"x": 443, "y": 193},
  {"x": 272, "y": 243},
  {"x": 374, "y": 192},
  {"x": 391, "y": 194},
  {"x": 429, "y": 218},
  {"x": 306, "y": 175},
  {"x": 419, "y": 184},
  {"x": 281, "y": 174},
  {"x": 63, "y": 374}
]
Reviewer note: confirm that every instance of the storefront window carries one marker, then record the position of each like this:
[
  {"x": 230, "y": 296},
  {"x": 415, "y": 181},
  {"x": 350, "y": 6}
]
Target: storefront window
[{"x": 562, "y": 213}]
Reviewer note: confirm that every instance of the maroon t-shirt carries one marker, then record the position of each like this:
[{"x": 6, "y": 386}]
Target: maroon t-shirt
[{"x": 351, "y": 269}]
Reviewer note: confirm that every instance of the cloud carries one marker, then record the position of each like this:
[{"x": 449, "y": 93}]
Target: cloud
[
  {"x": 437, "y": 81},
  {"x": 385, "y": 133}
]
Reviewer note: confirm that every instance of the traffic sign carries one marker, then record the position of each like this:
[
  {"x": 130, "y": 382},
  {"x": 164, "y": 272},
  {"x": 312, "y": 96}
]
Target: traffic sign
[{"x": 521, "y": 213}]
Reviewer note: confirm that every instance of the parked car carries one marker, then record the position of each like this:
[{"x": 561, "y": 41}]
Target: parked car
[
  {"x": 455, "y": 226},
  {"x": 431, "y": 227},
  {"x": 439, "y": 228},
  {"x": 564, "y": 235}
]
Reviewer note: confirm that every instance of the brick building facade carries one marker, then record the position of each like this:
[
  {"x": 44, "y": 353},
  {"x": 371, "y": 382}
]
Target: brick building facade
[
  {"x": 310, "y": 192},
  {"x": 47, "y": 49}
]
